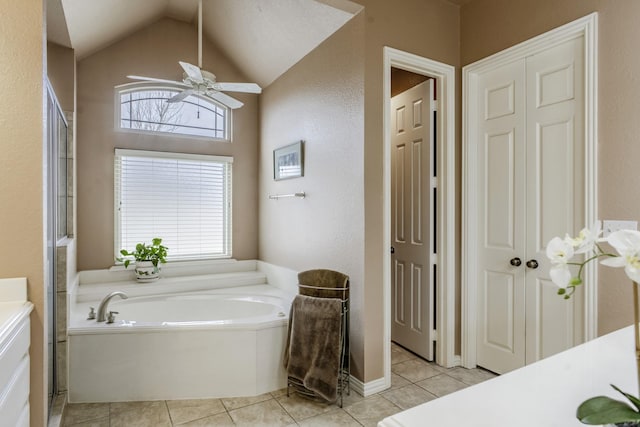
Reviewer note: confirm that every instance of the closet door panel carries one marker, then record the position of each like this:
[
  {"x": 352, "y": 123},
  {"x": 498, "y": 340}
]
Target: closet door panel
[
  {"x": 555, "y": 188},
  {"x": 501, "y": 313}
]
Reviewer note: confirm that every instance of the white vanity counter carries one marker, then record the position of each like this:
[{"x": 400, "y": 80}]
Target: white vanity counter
[
  {"x": 543, "y": 394},
  {"x": 14, "y": 352}
]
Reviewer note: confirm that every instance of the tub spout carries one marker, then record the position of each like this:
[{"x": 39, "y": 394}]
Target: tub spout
[{"x": 102, "y": 308}]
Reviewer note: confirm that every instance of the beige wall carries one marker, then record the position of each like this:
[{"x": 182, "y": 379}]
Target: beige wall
[
  {"x": 308, "y": 103},
  {"x": 21, "y": 173},
  {"x": 61, "y": 63},
  {"x": 319, "y": 100},
  {"x": 429, "y": 28},
  {"x": 488, "y": 26},
  {"x": 155, "y": 52}
]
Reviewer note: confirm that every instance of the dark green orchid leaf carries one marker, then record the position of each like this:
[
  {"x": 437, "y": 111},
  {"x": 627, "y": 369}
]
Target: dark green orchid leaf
[
  {"x": 604, "y": 410},
  {"x": 632, "y": 399}
]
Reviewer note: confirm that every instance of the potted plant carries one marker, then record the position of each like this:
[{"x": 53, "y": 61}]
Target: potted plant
[{"x": 147, "y": 258}]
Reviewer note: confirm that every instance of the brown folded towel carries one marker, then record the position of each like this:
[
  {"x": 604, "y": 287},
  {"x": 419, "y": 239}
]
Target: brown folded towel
[
  {"x": 314, "y": 342},
  {"x": 326, "y": 279}
]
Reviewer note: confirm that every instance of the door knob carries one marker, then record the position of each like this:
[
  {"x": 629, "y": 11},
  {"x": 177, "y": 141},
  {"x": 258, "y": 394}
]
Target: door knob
[
  {"x": 532, "y": 263},
  {"x": 515, "y": 262}
]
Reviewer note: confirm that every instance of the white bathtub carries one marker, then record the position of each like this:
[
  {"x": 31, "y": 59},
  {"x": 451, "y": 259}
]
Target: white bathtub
[
  {"x": 200, "y": 309},
  {"x": 206, "y": 344}
]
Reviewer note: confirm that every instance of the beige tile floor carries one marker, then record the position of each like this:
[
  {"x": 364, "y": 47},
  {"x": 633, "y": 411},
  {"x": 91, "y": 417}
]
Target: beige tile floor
[{"x": 413, "y": 381}]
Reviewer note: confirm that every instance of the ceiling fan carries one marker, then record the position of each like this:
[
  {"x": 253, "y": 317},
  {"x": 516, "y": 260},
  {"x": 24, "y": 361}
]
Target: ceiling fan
[{"x": 201, "y": 82}]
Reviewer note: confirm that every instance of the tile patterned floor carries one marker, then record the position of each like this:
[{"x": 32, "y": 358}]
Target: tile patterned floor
[{"x": 413, "y": 381}]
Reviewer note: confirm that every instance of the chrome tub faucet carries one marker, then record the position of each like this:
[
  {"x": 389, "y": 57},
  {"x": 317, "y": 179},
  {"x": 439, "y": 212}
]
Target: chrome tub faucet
[{"x": 102, "y": 308}]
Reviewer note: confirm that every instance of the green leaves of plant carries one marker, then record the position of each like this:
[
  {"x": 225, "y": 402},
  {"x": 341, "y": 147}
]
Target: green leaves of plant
[
  {"x": 605, "y": 410},
  {"x": 632, "y": 399},
  {"x": 155, "y": 252}
]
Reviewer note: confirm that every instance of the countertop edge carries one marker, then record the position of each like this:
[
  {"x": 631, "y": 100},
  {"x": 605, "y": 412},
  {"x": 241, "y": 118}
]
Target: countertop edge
[{"x": 22, "y": 311}]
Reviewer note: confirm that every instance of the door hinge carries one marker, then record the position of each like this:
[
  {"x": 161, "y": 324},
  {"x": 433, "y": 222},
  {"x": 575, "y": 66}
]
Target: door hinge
[
  {"x": 434, "y": 105},
  {"x": 434, "y": 259},
  {"x": 434, "y": 182},
  {"x": 434, "y": 335}
]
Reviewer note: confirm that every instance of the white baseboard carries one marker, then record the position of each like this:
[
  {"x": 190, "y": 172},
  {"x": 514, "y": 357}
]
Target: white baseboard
[
  {"x": 376, "y": 386},
  {"x": 370, "y": 388},
  {"x": 457, "y": 360}
]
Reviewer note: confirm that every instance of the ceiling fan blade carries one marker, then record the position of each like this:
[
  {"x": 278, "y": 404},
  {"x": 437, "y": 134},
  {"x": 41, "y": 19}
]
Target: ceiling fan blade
[
  {"x": 192, "y": 71},
  {"x": 238, "y": 87},
  {"x": 182, "y": 95},
  {"x": 152, "y": 79},
  {"x": 225, "y": 99}
]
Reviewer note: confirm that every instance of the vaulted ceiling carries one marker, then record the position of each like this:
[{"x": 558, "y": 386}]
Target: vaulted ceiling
[{"x": 264, "y": 38}]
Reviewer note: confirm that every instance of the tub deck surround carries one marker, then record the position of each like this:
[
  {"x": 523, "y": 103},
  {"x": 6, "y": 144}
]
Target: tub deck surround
[
  {"x": 14, "y": 352},
  {"x": 174, "y": 277},
  {"x": 203, "y": 282},
  {"x": 183, "y": 337}
]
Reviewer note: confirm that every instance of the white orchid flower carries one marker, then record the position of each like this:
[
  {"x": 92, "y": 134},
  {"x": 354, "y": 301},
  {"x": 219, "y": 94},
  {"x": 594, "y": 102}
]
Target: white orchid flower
[
  {"x": 586, "y": 239},
  {"x": 627, "y": 243},
  {"x": 559, "y": 252},
  {"x": 560, "y": 275}
]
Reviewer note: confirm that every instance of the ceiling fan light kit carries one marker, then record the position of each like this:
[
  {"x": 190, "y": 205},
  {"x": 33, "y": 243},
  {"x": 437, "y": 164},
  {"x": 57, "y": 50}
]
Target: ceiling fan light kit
[{"x": 197, "y": 81}]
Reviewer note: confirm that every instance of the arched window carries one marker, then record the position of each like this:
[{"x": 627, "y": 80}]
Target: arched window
[{"x": 145, "y": 108}]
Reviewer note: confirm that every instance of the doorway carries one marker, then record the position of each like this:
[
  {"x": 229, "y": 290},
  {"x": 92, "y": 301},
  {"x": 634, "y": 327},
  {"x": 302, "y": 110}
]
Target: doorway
[
  {"x": 443, "y": 77},
  {"x": 529, "y": 165}
]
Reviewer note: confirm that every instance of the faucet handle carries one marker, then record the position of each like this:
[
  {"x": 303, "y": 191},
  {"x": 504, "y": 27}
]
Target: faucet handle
[
  {"x": 112, "y": 316},
  {"x": 92, "y": 313}
]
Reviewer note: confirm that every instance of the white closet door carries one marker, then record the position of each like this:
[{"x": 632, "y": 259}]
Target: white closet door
[
  {"x": 555, "y": 189},
  {"x": 530, "y": 188},
  {"x": 501, "y": 195}
]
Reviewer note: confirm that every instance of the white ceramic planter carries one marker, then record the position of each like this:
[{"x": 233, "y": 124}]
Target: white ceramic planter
[{"x": 146, "y": 271}]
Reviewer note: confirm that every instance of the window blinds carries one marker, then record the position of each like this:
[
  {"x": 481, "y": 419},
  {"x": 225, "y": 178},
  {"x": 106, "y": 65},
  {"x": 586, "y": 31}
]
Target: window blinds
[{"x": 183, "y": 199}]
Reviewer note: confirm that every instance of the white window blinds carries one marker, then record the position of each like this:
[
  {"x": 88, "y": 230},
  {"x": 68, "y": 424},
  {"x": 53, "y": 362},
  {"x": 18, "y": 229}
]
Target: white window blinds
[{"x": 183, "y": 199}]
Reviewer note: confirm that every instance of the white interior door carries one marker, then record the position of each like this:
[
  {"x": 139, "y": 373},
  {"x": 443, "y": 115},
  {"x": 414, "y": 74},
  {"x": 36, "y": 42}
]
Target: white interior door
[
  {"x": 412, "y": 228},
  {"x": 530, "y": 181},
  {"x": 555, "y": 190},
  {"x": 501, "y": 185}
]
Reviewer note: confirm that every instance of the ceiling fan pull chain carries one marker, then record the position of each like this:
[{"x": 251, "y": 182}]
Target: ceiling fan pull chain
[{"x": 200, "y": 34}]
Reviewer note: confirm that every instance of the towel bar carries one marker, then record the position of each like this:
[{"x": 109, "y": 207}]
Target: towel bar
[
  {"x": 301, "y": 195},
  {"x": 341, "y": 289},
  {"x": 323, "y": 288}
]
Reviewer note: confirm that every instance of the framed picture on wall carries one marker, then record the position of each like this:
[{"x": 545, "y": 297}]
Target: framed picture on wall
[{"x": 288, "y": 161}]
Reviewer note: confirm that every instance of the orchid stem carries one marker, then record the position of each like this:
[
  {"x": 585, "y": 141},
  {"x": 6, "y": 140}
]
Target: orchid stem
[
  {"x": 636, "y": 321},
  {"x": 588, "y": 260}
]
